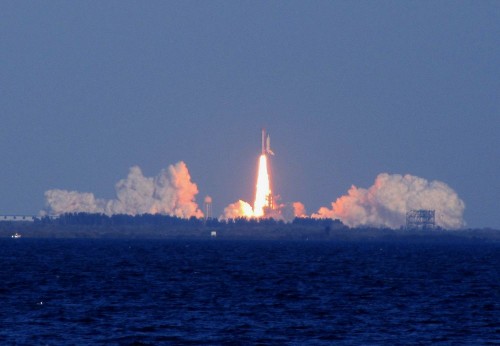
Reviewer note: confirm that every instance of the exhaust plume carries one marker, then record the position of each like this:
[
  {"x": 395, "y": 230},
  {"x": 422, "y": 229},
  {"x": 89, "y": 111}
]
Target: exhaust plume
[
  {"x": 263, "y": 205},
  {"x": 391, "y": 196},
  {"x": 237, "y": 209},
  {"x": 171, "y": 193},
  {"x": 263, "y": 188},
  {"x": 299, "y": 210}
]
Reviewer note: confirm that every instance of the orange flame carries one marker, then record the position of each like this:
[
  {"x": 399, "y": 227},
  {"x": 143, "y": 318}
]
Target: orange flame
[
  {"x": 263, "y": 199},
  {"x": 263, "y": 188}
]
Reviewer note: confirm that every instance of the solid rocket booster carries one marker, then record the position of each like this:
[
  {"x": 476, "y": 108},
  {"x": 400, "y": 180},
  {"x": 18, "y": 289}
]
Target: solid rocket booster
[
  {"x": 266, "y": 143},
  {"x": 263, "y": 141}
]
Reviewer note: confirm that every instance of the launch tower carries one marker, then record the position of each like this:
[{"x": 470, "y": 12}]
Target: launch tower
[{"x": 421, "y": 219}]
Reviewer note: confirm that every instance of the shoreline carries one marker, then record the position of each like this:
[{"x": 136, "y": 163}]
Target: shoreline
[{"x": 285, "y": 232}]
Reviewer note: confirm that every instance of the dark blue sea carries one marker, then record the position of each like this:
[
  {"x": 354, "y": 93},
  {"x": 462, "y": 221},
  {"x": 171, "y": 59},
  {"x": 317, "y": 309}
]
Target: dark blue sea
[{"x": 153, "y": 292}]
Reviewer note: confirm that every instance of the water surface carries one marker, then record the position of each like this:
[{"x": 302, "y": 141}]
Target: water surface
[{"x": 225, "y": 292}]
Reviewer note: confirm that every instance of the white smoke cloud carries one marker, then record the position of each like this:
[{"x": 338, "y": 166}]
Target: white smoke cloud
[
  {"x": 171, "y": 193},
  {"x": 242, "y": 209},
  {"x": 237, "y": 209},
  {"x": 299, "y": 210},
  {"x": 63, "y": 201},
  {"x": 391, "y": 196}
]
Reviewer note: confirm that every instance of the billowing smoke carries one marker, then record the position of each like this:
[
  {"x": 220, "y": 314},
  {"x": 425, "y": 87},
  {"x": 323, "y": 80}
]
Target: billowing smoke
[
  {"x": 62, "y": 201},
  {"x": 299, "y": 210},
  {"x": 237, "y": 209},
  {"x": 391, "y": 196},
  {"x": 171, "y": 193}
]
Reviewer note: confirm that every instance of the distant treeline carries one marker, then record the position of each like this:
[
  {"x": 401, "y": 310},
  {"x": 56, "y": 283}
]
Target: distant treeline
[
  {"x": 88, "y": 225},
  {"x": 90, "y": 219}
]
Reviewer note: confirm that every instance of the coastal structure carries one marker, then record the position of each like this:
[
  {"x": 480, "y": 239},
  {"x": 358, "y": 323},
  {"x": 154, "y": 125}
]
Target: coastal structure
[
  {"x": 18, "y": 218},
  {"x": 421, "y": 219}
]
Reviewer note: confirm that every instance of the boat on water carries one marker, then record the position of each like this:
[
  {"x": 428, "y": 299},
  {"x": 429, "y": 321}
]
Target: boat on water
[{"x": 16, "y": 235}]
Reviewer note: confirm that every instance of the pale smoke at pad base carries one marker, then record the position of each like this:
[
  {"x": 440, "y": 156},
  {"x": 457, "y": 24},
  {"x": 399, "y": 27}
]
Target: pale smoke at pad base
[
  {"x": 237, "y": 210},
  {"x": 299, "y": 210},
  {"x": 170, "y": 193},
  {"x": 386, "y": 202}
]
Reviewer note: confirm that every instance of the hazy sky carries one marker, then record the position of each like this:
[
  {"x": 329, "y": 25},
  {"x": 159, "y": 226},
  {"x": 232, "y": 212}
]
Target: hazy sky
[{"x": 346, "y": 89}]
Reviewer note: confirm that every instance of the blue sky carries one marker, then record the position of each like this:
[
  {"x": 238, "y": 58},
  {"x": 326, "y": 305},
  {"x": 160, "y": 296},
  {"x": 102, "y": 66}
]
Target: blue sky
[{"x": 347, "y": 90}]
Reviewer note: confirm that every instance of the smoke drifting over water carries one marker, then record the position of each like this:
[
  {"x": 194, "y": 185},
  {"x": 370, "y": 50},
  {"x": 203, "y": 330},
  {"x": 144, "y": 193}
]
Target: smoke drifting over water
[
  {"x": 171, "y": 192},
  {"x": 386, "y": 202}
]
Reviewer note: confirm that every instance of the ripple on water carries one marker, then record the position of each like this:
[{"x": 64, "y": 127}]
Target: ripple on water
[{"x": 151, "y": 292}]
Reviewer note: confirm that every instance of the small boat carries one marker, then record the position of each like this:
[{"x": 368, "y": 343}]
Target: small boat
[{"x": 16, "y": 235}]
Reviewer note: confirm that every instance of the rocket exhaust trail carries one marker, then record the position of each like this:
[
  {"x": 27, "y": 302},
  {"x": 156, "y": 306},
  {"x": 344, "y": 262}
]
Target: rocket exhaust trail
[
  {"x": 263, "y": 187},
  {"x": 263, "y": 205}
]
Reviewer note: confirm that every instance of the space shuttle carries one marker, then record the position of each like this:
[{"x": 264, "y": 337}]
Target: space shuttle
[{"x": 266, "y": 143}]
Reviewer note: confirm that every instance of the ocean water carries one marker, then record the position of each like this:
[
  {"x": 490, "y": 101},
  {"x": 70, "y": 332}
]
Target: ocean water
[{"x": 77, "y": 292}]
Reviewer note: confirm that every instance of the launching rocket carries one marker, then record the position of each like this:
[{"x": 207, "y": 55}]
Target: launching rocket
[{"x": 266, "y": 143}]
